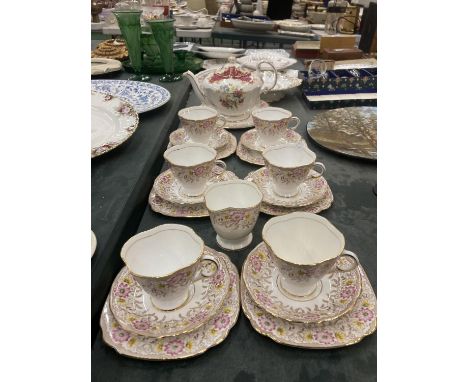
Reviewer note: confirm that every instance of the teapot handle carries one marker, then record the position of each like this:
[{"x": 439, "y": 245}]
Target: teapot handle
[{"x": 274, "y": 70}]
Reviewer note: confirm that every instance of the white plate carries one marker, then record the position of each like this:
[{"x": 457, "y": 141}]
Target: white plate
[
  {"x": 220, "y": 49},
  {"x": 217, "y": 54},
  {"x": 278, "y": 52},
  {"x": 113, "y": 121},
  {"x": 279, "y": 62},
  {"x": 101, "y": 65},
  {"x": 144, "y": 96}
]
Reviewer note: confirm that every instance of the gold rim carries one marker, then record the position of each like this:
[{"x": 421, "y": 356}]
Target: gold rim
[
  {"x": 347, "y": 310},
  {"x": 266, "y": 334},
  {"x": 327, "y": 223},
  {"x": 234, "y": 181},
  {"x": 110, "y": 343},
  {"x": 209, "y": 317},
  {"x": 179, "y": 147},
  {"x": 142, "y": 236}
]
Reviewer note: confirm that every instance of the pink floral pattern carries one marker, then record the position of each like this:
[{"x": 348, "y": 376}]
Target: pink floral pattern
[
  {"x": 222, "y": 321},
  {"x": 174, "y": 347},
  {"x": 266, "y": 323},
  {"x": 326, "y": 305},
  {"x": 346, "y": 330},
  {"x": 120, "y": 335},
  {"x": 325, "y": 337},
  {"x": 364, "y": 314},
  {"x": 141, "y": 324},
  {"x": 236, "y": 218},
  {"x": 232, "y": 73},
  {"x": 136, "y": 313},
  {"x": 122, "y": 290},
  {"x": 185, "y": 345}
]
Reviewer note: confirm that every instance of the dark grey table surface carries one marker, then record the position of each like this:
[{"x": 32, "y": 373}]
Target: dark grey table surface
[
  {"x": 245, "y": 355},
  {"x": 120, "y": 180},
  {"x": 266, "y": 36}
]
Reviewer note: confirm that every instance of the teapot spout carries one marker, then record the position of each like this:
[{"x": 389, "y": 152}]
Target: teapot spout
[{"x": 196, "y": 86}]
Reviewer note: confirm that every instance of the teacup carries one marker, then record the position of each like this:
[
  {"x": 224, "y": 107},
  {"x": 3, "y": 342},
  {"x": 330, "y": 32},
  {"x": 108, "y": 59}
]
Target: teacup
[
  {"x": 289, "y": 166},
  {"x": 233, "y": 207},
  {"x": 272, "y": 123},
  {"x": 305, "y": 247},
  {"x": 192, "y": 165},
  {"x": 200, "y": 122},
  {"x": 165, "y": 261}
]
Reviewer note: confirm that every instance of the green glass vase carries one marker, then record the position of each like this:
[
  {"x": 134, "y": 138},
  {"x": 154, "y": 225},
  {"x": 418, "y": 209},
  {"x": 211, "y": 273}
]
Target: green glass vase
[
  {"x": 130, "y": 27},
  {"x": 163, "y": 32}
]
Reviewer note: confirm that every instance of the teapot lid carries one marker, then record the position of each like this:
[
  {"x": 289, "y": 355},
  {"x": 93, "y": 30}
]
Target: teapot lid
[{"x": 232, "y": 70}]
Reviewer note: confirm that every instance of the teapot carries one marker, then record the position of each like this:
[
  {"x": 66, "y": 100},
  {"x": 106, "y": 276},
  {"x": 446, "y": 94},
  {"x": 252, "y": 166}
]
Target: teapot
[{"x": 232, "y": 89}]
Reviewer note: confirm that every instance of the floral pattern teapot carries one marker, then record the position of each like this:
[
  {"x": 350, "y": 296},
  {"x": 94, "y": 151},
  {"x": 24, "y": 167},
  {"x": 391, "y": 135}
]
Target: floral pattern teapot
[{"x": 232, "y": 90}]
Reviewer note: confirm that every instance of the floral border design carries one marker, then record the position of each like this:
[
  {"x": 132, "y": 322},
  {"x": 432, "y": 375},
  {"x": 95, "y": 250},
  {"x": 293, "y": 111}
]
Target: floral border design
[
  {"x": 167, "y": 187},
  {"x": 126, "y": 301},
  {"x": 128, "y": 120},
  {"x": 181, "y": 346},
  {"x": 347, "y": 330},
  {"x": 312, "y": 191},
  {"x": 258, "y": 270}
]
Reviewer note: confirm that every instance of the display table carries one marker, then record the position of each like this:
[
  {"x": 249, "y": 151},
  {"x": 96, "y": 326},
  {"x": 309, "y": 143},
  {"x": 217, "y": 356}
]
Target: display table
[
  {"x": 244, "y": 36},
  {"x": 244, "y": 355}
]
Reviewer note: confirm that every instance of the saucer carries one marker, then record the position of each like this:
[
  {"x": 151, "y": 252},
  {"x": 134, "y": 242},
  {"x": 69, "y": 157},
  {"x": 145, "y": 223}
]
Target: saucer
[
  {"x": 166, "y": 208},
  {"x": 335, "y": 294},
  {"x": 322, "y": 204},
  {"x": 242, "y": 123},
  {"x": 187, "y": 345},
  {"x": 252, "y": 156},
  {"x": 219, "y": 139},
  {"x": 168, "y": 188},
  {"x": 347, "y": 330},
  {"x": 134, "y": 311},
  {"x": 251, "y": 140},
  {"x": 93, "y": 243},
  {"x": 310, "y": 192}
]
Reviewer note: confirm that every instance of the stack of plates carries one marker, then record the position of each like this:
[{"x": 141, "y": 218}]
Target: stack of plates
[
  {"x": 340, "y": 312},
  {"x": 134, "y": 327}
]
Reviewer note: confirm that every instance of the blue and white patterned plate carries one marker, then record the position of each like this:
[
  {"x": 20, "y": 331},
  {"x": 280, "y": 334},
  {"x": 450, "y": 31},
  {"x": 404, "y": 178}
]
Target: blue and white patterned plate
[{"x": 144, "y": 96}]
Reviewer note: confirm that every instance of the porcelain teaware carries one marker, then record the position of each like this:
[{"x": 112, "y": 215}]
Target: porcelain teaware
[
  {"x": 289, "y": 165},
  {"x": 304, "y": 247},
  {"x": 200, "y": 122},
  {"x": 232, "y": 89},
  {"x": 192, "y": 165},
  {"x": 272, "y": 123},
  {"x": 165, "y": 262},
  {"x": 233, "y": 207}
]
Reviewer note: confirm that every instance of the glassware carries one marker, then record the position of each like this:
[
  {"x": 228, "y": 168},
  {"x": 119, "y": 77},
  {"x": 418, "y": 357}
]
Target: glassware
[
  {"x": 130, "y": 27},
  {"x": 163, "y": 32}
]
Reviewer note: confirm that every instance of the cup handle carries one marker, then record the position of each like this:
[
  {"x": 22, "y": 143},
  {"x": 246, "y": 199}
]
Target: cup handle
[
  {"x": 320, "y": 173},
  {"x": 200, "y": 272},
  {"x": 354, "y": 258},
  {"x": 261, "y": 76},
  {"x": 221, "y": 164},
  {"x": 298, "y": 121},
  {"x": 223, "y": 120}
]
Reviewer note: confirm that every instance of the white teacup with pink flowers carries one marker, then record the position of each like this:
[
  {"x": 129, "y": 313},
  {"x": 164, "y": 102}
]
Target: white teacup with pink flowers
[
  {"x": 199, "y": 122},
  {"x": 192, "y": 165},
  {"x": 272, "y": 123},
  {"x": 290, "y": 165},
  {"x": 165, "y": 261},
  {"x": 305, "y": 247}
]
